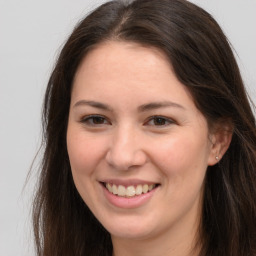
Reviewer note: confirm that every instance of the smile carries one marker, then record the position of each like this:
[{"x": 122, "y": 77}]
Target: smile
[{"x": 129, "y": 191}]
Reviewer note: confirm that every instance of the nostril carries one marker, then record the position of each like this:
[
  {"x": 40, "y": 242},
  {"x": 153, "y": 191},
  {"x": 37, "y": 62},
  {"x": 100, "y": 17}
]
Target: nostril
[{"x": 125, "y": 159}]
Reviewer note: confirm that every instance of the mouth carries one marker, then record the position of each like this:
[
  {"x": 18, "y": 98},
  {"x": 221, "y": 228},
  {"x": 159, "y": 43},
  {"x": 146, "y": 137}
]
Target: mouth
[{"x": 129, "y": 191}]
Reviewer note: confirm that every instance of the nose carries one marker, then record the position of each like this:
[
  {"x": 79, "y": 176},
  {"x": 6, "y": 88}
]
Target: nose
[{"x": 126, "y": 150}]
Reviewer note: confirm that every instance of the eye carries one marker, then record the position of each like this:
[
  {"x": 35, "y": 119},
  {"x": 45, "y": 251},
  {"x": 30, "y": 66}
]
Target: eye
[
  {"x": 159, "y": 121},
  {"x": 95, "y": 120}
]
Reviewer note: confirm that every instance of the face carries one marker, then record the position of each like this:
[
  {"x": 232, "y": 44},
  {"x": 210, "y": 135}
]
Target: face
[{"x": 138, "y": 146}]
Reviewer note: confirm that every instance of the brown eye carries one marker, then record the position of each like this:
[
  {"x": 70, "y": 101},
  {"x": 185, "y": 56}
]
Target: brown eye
[
  {"x": 95, "y": 120},
  {"x": 159, "y": 121}
]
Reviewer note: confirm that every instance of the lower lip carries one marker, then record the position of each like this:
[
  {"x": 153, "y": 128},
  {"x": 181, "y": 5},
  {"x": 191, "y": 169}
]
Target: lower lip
[{"x": 128, "y": 202}]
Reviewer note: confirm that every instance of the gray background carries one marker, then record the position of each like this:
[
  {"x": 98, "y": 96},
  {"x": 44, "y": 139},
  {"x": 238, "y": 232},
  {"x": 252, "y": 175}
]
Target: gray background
[{"x": 31, "y": 35}]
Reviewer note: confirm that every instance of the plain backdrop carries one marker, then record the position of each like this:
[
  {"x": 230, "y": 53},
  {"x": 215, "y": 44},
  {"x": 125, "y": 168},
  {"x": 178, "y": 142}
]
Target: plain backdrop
[{"x": 31, "y": 35}]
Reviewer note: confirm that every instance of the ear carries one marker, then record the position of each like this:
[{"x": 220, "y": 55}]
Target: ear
[{"x": 220, "y": 140}]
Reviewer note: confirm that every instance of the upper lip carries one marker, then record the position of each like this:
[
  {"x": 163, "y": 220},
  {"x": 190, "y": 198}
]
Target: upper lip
[{"x": 128, "y": 182}]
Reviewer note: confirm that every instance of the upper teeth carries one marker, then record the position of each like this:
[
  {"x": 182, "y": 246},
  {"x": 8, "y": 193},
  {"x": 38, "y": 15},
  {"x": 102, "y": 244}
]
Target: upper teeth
[{"x": 129, "y": 191}]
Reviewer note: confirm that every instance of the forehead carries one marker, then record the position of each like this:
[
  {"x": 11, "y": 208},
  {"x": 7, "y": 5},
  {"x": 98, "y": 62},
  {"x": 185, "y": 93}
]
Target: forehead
[
  {"x": 124, "y": 69},
  {"x": 119, "y": 57}
]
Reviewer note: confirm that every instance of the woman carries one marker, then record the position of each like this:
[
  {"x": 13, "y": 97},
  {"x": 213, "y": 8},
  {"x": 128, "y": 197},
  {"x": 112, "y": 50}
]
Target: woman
[{"x": 150, "y": 141}]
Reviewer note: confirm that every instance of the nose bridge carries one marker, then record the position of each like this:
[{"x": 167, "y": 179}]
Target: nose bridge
[{"x": 126, "y": 149}]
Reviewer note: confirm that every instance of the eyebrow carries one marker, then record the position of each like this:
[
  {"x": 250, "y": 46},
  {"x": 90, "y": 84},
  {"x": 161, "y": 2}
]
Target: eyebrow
[
  {"x": 157, "y": 105},
  {"x": 142, "y": 108},
  {"x": 94, "y": 104}
]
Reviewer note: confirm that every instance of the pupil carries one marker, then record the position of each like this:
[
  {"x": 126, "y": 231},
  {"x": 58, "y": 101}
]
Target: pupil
[
  {"x": 159, "y": 121},
  {"x": 98, "y": 120}
]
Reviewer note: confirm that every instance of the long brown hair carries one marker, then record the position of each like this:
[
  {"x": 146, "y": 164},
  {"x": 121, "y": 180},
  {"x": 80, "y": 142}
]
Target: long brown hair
[{"x": 203, "y": 61}]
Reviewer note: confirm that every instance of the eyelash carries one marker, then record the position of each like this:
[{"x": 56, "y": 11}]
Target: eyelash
[
  {"x": 90, "y": 120},
  {"x": 102, "y": 120},
  {"x": 160, "y": 118}
]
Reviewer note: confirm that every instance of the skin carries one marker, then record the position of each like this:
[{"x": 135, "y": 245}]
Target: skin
[{"x": 128, "y": 143}]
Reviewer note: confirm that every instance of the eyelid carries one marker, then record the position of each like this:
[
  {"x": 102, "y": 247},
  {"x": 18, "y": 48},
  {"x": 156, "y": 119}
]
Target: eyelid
[
  {"x": 85, "y": 120},
  {"x": 170, "y": 121}
]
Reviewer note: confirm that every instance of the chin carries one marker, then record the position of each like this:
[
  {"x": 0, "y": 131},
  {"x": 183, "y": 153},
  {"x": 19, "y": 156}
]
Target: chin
[{"x": 131, "y": 229}]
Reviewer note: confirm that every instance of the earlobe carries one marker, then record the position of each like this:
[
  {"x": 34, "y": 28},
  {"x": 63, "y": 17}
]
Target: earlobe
[{"x": 220, "y": 142}]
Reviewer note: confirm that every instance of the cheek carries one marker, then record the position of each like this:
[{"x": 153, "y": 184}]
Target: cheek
[
  {"x": 84, "y": 152},
  {"x": 181, "y": 154}
]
